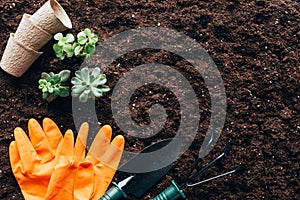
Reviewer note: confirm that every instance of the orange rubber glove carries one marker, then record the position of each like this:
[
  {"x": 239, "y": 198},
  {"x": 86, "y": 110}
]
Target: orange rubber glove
[
  {"x": 33, "y": 160},
  {"x": 105, "y": 157},
  {"x": 77, "y": 176}
]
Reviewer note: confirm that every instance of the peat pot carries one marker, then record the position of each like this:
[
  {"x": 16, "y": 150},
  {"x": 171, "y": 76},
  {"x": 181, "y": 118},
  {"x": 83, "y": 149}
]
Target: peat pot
[
  {"x": 31, "y": 35},
  {"x": 52, "y": 17},
  {"x": 17, "y": 58}
]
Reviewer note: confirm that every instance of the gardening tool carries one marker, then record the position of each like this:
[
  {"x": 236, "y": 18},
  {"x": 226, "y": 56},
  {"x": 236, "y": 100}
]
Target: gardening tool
[
  {"x": 175, "y": 191},
  {"x": 138, "y": 184}
]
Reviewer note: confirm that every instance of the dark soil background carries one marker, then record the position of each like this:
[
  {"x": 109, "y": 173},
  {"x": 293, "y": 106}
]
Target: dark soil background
[{"x": 255, "y": 45}]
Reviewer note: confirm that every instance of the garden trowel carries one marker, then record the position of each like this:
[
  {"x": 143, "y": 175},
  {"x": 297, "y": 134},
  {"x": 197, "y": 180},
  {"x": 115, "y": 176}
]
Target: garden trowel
[{"x": 139, "y": 183}]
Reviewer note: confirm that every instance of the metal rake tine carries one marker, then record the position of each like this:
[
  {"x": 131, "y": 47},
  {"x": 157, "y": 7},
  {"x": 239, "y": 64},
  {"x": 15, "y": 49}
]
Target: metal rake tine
[
  {"x": 212, "y": 163},
  {"x": 238, "y": 169}
]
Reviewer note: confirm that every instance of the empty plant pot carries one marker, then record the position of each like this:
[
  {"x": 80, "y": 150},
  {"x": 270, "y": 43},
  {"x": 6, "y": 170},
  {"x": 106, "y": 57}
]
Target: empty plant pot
[
  {"x": 17, "y": 58},
  {"x": 31, "y": 35},
  {"x": 51, "y": 17}
]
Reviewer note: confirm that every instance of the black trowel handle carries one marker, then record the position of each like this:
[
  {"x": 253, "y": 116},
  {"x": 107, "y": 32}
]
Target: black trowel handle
[
  {"x": 171, "y": 193},
  {"x": 114, "y": 193}
]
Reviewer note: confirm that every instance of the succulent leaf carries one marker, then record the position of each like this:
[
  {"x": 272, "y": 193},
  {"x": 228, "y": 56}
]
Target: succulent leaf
[
  {"x": 94, "y": 39},
  {"x": 97, "y": 92},
  {"x": 55, "y": 79},
  {"x": 77, "y": 50},
  {"x": 50, "y": 90},
  {"x": 76, "y": 81},
  {"x": 64, "y": 75},
  {"x": 104, "y": 88},
  {"x": 99, "y": 81},
  {"x": 77, "y": 89},
  {"x": 45, "y": 76},
  {"x": 44, "y": 89},
  {"x": 82, "y": 40},
  {"x": 78, "y": 75},
  {"x": 63, "y": 91},
  {"x": 58, "y": 36},
  {"x": 61, "y": 57},
  {"x": 70, "y": 54},
  {"x": 84, "y": 96},
  {"x": 68, "y": 48},
  {"x": 89, "y": 48},
  {"x": 57, "y": 48},
  {"x": 70, "y": 38},
  {"x": 81, "y": 34},
  {"x": 87, "y": 32},
  {"x": 96, "y": 72},
  {"x": 85, "y": 74}
]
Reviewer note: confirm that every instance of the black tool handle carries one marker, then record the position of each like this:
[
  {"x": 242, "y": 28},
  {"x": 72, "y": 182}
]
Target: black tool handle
[
  {"x": 171, "y": 193},
  {"x": 114, "y": 193}
]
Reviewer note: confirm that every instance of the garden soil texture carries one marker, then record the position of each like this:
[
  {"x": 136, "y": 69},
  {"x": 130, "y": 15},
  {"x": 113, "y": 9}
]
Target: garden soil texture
[{"x": 254, "y": 44}]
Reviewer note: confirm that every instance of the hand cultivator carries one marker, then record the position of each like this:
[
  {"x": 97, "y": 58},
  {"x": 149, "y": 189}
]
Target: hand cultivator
[{"x": 175, "y": 191}]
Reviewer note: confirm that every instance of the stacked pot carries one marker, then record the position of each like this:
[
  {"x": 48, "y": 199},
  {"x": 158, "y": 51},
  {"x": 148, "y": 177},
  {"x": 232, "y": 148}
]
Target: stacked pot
[{"x": 33, "y": 32}]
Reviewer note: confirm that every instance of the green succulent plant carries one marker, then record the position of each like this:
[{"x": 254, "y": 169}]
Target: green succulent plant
[
  {"x": 84, "y": 46},
  {"x": 89, "y": 84},
  {"x": 51, "y": 85},
  {"x": 64, "y": 47},
  {"x": 86, "y": 43}
]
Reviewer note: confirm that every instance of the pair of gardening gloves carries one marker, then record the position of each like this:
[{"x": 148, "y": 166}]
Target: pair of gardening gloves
[{"x": 49, "y": 166}]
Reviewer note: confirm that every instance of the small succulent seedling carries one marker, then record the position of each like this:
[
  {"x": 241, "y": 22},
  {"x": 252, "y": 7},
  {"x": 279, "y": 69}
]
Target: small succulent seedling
[
  {"x": 64, "y": 46},
  {"x": 51, "y": 85},
  {"x": 84, "y": 46},
  {"x": 89, "y": 84},
  {"x": 86, "y": 43}
]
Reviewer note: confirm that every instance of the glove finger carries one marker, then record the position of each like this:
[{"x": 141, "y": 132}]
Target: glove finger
[
  {"x": 84, "y": 181},
  {"x": 61, "y": 183},
  {"x": 66, "y": 149},
  {"x": 114, "y": 152},
  {"x": 80, "y": 145},
  {"x": 27, "y": 153},
  {"x": 39, "y": 141},
  {"x": 99, "y": 145},
  {"x": 105, "y": 171},
  {"x": 52, "y": 133},
  {"x": 14, "y": 156}
]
